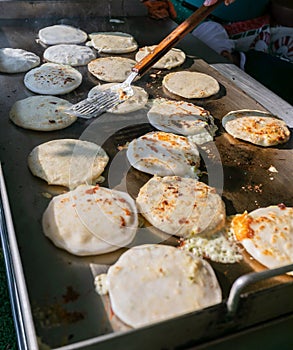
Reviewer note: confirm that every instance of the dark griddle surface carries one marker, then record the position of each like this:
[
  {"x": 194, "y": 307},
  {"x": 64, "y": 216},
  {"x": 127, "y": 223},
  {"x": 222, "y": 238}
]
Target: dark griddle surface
[{"x": 60, "y": 286}]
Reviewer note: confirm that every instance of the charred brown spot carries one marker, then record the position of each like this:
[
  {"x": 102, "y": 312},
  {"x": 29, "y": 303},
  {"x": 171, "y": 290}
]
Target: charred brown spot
[
  {"x": 93, "y": 190},
  {"x": 122, "y": 221},
  {"x": 282, "y": 206}
]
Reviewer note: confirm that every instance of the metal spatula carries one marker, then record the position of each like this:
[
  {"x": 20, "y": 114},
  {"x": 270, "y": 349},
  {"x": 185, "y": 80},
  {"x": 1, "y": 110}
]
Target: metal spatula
[{"x": 106, "y": 99}]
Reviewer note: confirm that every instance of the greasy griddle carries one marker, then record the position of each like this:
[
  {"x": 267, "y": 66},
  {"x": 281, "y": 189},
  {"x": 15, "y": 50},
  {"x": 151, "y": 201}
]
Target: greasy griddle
[{"x": 65, "y": 307}]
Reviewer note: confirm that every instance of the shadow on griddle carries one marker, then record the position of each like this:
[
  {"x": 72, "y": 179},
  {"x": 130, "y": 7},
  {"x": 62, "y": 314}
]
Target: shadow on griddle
[{"x": 197, "y": 101}]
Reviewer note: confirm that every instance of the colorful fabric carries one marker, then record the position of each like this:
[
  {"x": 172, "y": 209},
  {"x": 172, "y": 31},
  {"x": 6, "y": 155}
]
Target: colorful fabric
[
  {"x": 237, "y": 29},
  {"x": 160, "y": 9},
  {"x": 259, "y": 35}
]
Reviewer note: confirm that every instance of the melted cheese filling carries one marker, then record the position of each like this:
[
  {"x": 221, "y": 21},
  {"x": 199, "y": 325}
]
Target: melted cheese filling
[{"x": 220, "y": 247}]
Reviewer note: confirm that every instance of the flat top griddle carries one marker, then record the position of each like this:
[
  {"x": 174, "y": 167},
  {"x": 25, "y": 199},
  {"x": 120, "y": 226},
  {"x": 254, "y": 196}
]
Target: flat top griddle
[{"x": 65, "y": 308}]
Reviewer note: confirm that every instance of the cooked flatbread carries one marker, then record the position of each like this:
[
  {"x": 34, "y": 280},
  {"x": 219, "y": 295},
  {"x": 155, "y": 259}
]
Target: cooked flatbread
[
  {"x": 52, "y": 79},
  {"x": 91, "y": 220},
  {"x": 62, "y": 34},
  {"x": 258, "y": 127},
  {"x": 161, "y": 153},
  {"x": 267, "y": 234},
  {"x": 181, "y": 206},
  {"x": 182, "y": 118},
  {"x": 135, "y": 102},
  {"x": 173, "y": 58},
  {"x": 113, "y": 42},
  {"x": 73, "y": 55},
  {"x": 151, "y": 283},
  {"x": 68, "y": 162},
  {"x": 111, "y": 69},
  {"x": 42, "y": 113},
  {"x": 17, "y": 60},
  {"x": 188, "y": 84}
]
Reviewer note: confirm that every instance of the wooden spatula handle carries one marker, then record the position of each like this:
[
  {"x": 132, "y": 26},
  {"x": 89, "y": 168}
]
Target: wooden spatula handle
[{"x": 172, "y": 39}]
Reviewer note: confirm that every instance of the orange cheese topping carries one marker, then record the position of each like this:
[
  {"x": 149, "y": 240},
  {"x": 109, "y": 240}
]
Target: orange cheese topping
[
  {"x": 168, "y": 138},
  {"x": 241, "y": 226}
]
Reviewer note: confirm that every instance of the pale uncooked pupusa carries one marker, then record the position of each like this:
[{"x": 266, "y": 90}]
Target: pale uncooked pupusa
[
  {"x": 173, "y": 58},
  {"x": 68, "y": 162},
  {"x": 62, "y": 34},
  {"x": 42, "y": 113},
  {"x": 73, "y": 55},
  {"x": 17, "y": 60},
  {"x": 113, "y": 42},
  {"x": 91, "y": 220},
  {"x": 150, "y": 283},
  {"x": 189, "y": 85},
  {"x": 111, "y": 69}
]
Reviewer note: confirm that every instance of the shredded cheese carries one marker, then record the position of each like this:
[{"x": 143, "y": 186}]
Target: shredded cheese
[
  {"x": 220, "y": 247},
  {"x": 101, "y": 284}
]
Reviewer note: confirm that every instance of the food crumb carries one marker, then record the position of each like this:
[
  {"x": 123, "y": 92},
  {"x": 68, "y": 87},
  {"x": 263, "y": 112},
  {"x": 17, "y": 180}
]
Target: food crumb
[
  {"x": 101, "y": 285},
  {"x": 100, "y": 180},
  {"x": 252, "y": 188},
  {"x": 272, "y": 169},
  {"x": 47, "y": 195},
  {"x": 122, "y": 147}
]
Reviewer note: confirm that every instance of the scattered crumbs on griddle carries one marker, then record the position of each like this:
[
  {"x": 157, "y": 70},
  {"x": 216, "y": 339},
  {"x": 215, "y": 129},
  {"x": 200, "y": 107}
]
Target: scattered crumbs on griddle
[
  {"x": 272, "y": 169},
  {"x": 55, "y": 315},
  {"x": 252, "y": 188},
  {"x": 122, "y": 147},
  {"x": 71, "y": 295}
]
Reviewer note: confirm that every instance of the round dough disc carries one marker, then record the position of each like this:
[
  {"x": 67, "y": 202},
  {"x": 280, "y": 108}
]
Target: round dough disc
[
  {"x": 189, "y": 85},
  {"x": 173, "y": 58},
  {"x": 258, "y": 127},
  {"x": 160, "y": 153},
  {"x": 52, "y": 79},
  {"x": 151, "y": 283},
  {"x": 17, "y": 60},
  {"x": 68, "y": 162},
  {"x": 137, "y": 101},
  {"x": 91, "y": 220},
  {"x": 182, "y": 118},
  {"x": 111, "y": 69},
  {"x": 73, "y": 55},
  {"x": 181, "y": 206},
  {"x": 113, "y": 42},
  {"x": 62, "y": 34},
  {"x": 42, "y": 113}
]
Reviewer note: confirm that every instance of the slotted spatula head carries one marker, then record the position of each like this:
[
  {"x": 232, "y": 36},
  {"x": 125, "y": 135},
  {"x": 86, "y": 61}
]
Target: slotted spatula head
[{"x": 103, "y": 100}]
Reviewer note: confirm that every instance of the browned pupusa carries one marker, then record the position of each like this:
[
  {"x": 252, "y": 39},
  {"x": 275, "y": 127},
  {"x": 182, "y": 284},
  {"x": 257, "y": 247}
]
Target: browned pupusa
[
  {"x": 181, "y": 206},
  {"x": 258, "y": 127}
]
